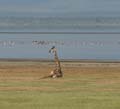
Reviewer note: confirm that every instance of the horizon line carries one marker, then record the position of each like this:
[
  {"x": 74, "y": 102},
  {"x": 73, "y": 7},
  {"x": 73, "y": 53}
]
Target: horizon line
[{"x": 59, "y": 32}]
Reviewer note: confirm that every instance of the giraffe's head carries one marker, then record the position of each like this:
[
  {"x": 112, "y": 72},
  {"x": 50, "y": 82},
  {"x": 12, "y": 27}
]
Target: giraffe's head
[{"x": 52, "y": 49}]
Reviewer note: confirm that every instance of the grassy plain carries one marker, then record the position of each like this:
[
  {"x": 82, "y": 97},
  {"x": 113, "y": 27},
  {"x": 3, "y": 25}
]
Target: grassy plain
[{"x": 84, "y": 86}]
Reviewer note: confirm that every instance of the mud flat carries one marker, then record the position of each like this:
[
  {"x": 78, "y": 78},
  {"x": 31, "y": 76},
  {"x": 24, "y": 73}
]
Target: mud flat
[{"x": 20, "y": 69}]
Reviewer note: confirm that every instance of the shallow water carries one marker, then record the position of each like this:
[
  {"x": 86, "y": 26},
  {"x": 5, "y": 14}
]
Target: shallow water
[{"x": 70, "y": 46}]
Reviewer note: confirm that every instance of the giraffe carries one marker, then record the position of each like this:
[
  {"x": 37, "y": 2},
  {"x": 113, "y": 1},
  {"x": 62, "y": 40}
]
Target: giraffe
[{"x": 56, "y": 73}]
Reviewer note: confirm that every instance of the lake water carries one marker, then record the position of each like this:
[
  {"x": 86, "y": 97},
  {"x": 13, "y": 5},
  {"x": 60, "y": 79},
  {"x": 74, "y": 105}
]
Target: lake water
[{"x": 22, "y": 38}]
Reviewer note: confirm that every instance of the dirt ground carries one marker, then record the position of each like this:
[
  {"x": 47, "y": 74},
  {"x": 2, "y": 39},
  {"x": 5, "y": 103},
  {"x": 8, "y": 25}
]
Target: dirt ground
[{"x": 34, "y": 71}]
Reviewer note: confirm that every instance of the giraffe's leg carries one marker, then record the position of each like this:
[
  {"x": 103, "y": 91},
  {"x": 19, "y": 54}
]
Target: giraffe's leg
[
  {"x": 56, "y": 73},
  {"x": 53, "y": 74}
]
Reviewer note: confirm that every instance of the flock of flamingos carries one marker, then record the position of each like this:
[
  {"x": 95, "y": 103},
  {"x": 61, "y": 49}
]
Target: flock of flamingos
[{"x": 38, "y": 43}]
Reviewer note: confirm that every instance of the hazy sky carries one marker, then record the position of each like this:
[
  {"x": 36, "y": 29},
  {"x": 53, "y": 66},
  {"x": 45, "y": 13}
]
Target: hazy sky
[{"x": 60, "y": 6}]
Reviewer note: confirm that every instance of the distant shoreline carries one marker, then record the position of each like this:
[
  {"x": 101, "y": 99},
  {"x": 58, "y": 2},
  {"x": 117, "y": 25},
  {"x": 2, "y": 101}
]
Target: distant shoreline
[
  {"x": 62, "y": 60},
  {"x": 58, "y": 32}
]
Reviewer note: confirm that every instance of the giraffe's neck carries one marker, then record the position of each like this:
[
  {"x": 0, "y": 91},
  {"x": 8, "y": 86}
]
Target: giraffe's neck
[{"x": 57, "y": 62}]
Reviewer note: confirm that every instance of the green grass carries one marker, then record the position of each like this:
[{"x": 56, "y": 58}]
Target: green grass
[
  {"x": 67, "y": 95},
  {"x": 59, "y": 100}
]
